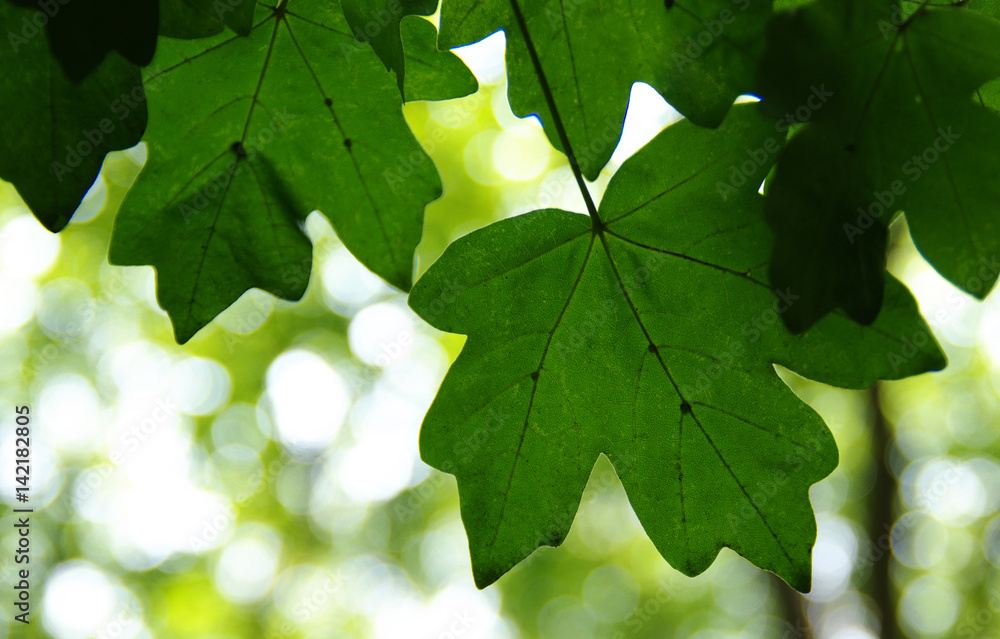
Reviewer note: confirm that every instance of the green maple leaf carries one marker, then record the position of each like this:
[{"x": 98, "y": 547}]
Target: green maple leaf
[
  {"x": 650, "y": 337},
  {"x": 699, "y": 54},
  {"x": 902, "y": 129},
  {"x": 56, "y": 131},
  {"x": 247, "y": 136}
]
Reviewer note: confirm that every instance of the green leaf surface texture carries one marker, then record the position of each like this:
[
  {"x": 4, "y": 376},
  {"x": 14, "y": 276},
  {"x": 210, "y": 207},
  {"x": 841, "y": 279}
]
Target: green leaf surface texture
[
  {"x": 650, "y": 337},
  {"x": 247, "y": 136}
]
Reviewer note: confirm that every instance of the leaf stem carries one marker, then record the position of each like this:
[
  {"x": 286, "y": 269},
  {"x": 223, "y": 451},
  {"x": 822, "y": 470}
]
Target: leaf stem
[{"x": 556, "y": 118}]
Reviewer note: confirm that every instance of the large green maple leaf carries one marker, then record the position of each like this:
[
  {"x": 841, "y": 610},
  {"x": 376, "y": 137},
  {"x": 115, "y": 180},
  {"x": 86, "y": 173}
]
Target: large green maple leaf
[
  {"x": 56, "y": 131},
  {"x": 649, "y": 336},
  {"x": 586, "y": 55},
  {"x": 903, "y": 129},
  {"x": 248, "y": 135}
]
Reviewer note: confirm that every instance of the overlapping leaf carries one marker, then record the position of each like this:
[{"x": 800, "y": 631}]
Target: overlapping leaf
[
  {"x": 188, "y": 19},
  {"x": 649, "y": 337},
  {"x": 246, "y": 137},
  {"x": 235, "y": 14},
  {"x": 377, "y": 23},
  {"x": 430, "y": 75},
  {"x": 904, "y": 130},
  {"x": 82, "y": 32},
  {"x": 181, "y": 19},
  {"x": 700, "y": 54},
  {"x": 988, "y": 94},
  {"x": 56, "y": 132}
]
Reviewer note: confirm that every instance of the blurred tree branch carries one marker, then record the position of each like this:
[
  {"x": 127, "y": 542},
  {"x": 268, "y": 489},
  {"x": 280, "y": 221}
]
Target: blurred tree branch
[
  {"x": 881, "y": 509},
  {"x": 793, "y": 611}
]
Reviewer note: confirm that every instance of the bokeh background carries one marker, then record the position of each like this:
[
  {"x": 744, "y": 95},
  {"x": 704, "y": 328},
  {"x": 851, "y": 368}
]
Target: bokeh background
[{"x": 264, "y": 479}]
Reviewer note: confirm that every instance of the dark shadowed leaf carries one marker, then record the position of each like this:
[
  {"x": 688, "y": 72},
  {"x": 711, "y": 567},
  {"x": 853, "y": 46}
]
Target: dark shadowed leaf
[
  {"x": 181, "y": 19},
  {"x": 56, "y": 132},
  {"x": 82, "y": 32},
  {"x": 810, "y": 203},
  {"x": 902, "y": 126}
]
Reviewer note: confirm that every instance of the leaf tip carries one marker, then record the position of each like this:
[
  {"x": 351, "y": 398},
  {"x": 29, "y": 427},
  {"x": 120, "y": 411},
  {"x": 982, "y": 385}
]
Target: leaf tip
[
  {"x": 56, "y": 225},
  {"x": 797, "y": 322},
  {"x": 184, "y": 332},
  {"x": 485, "y": 577},
  {"x": 937, "y": 360},
  {"x": 54, "y": 220},
  {"x": 800, "y": 579},
  {"x": 401, "y": 280}
]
